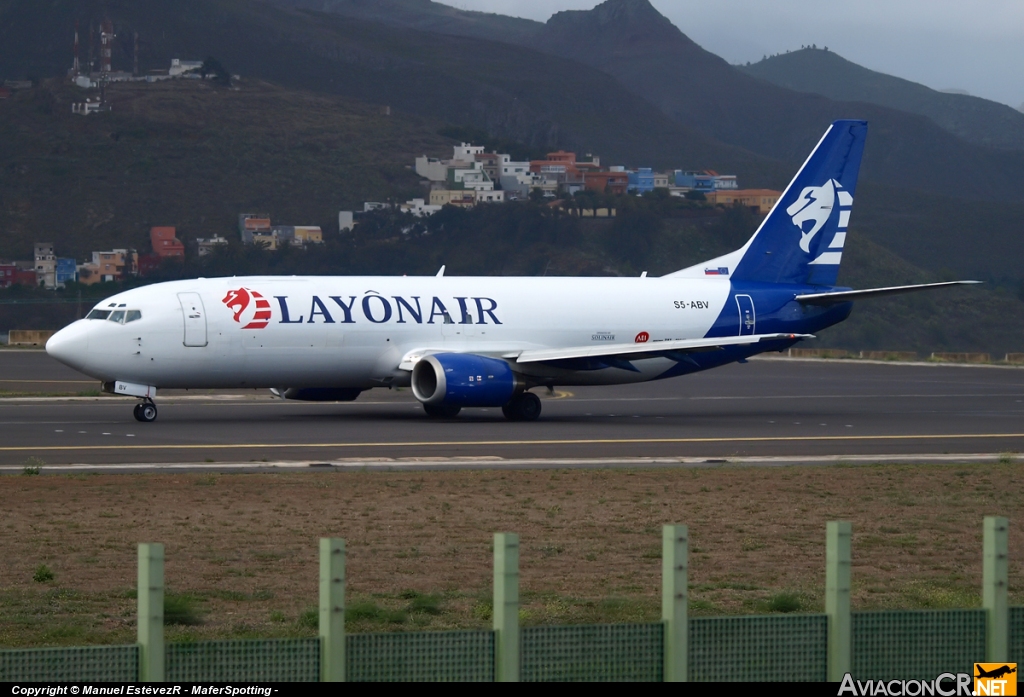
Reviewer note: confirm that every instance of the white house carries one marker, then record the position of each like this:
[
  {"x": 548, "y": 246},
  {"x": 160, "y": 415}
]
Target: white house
[
  {"x": 180, "y": 67},
  {"x": 419, "y": 208},
  {"x": 431, "y": 168}
]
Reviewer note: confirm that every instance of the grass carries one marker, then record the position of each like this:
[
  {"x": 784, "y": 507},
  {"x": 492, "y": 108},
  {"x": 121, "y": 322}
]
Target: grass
[
  {"x": 33, "y": 466},
  {"x": 784, "y": 602},
  {"x": 181, "y": 610},
  {"x": 241, "y": 552},
  {"x": 42, "y": 574}
]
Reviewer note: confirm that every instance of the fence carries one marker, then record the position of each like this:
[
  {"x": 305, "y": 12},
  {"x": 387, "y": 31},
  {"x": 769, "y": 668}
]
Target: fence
[{"x": 814, "y": 647}]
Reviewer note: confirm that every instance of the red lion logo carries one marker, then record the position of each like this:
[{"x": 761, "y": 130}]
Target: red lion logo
[{"x": 239, "y": 300}]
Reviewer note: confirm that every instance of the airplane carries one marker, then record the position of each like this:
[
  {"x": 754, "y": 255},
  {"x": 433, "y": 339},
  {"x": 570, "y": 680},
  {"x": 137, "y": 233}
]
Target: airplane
[
  {"x": 488, "y": 341},
  {"x": 995, "y": 672}
]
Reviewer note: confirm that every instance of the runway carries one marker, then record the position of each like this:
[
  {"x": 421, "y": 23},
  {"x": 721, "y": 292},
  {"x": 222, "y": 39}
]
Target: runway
[{"x": 787, "y": 410}]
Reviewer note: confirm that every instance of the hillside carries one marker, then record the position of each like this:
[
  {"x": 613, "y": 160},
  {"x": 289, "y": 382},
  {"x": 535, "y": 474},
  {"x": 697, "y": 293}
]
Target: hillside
[
  {"x": 504, "y": 89},
  {"x": 188, "y": 154},
  {"x": 658, "y": 63},
  {"x": 972, "y": 119},
  {"x": 427, "y": 15}
]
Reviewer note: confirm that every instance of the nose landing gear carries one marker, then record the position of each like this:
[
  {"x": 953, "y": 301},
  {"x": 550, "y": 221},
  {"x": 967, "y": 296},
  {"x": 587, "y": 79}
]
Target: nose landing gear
[{"x": 145, "y": 411}]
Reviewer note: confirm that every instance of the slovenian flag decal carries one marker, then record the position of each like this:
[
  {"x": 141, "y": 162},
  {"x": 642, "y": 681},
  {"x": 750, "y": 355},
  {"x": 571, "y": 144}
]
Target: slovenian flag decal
[{"x": 720, "y": 271}]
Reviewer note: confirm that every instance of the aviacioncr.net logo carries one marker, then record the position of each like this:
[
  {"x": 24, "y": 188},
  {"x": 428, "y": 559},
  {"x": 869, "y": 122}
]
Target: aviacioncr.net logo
[{"x": 250, "y": 309}]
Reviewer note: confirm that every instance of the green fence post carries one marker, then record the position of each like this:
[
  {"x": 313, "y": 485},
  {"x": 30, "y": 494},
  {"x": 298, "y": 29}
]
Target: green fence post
[
  {"x": 674, "y": 602},
  {"x": 837, "y": 598},
  {"x": 332, "y": 609},
  {"x": 150, "y": 599},
  {"x": 506, "y": 607},
  {"x": 995, "y": 580}
]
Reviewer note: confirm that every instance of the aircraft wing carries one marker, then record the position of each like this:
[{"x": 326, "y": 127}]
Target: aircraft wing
[
  {"x": 651, "y": 350},
  {"x": 843, "y": 296}
]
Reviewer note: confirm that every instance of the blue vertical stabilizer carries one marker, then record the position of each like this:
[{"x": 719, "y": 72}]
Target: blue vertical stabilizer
[{"x": 801, "y": 241}]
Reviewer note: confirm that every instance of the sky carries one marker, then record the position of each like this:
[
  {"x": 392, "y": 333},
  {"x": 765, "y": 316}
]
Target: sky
[{"x": 973, "y": 46}]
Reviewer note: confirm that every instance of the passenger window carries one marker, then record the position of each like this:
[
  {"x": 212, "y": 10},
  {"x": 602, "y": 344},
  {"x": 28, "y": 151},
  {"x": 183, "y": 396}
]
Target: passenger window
[
  {"x": 117, "y": 316},
  {"x": 132, "y": 315},
  {"x": 98, "y": 314}
]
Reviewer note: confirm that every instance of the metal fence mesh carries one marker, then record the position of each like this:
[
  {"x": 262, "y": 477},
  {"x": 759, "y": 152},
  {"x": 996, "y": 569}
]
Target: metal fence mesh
[
  {"x": 770, "y": 648},
  {"x": 603, "y": 652},
  {"x": 244, "y": 660},
  {"x": 72, "y": 664},
  {"x": 1017, "y": 635},
  {"x": 916, "y": 644},
  {"x": 420, "y": 656},
  {"x": 885, "y": 645}
]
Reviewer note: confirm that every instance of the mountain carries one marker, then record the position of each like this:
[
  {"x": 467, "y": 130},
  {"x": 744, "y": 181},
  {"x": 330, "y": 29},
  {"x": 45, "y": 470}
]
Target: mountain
[
  {"x": 507, "y": 90},
  {"x": 823, "y": 72},
  {"x": 656, "y": 61},
  {"x": 653, "y": 59},
  {"x": 427, "y": 15}
]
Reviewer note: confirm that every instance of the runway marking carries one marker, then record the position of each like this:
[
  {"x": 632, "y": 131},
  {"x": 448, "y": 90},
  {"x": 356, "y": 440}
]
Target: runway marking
[
  {"x": 581, "y": 441},
  {"x": 491, "y": 462}
]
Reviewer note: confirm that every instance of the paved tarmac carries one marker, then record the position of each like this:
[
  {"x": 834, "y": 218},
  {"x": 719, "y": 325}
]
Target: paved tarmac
[{"x": 783, "y": 410}]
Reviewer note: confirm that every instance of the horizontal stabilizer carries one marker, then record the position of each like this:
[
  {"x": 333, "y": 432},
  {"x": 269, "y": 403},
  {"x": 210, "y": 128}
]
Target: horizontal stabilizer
[
  {"x": 654, "y": 349},
  {"x": 843, "y": 296}
]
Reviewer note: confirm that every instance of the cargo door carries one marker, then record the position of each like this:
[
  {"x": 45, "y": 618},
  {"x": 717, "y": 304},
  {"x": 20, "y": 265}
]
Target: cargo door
[
  {"x": 748, "y": 320},
  {"x": 195, "y": 318}
]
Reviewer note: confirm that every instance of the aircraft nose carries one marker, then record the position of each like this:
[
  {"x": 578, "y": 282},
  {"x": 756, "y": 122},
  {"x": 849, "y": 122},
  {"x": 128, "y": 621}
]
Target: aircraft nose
[{"x": 70, "y": 345}]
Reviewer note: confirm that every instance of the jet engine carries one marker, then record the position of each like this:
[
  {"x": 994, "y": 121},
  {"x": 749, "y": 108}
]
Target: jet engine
[{"x": 458, "y": 380}]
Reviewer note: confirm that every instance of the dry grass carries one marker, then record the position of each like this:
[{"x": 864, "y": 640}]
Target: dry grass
[{"x": 241, "y": 549}]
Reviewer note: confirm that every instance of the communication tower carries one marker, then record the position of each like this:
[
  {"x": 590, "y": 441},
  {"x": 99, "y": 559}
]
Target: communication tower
[
  {"x": 74, "y": 66},
  {"x": 106, "y": 45}
]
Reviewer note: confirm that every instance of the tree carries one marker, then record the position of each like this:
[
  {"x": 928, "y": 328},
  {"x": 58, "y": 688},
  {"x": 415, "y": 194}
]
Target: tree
[{"x": 212, "y": 66}]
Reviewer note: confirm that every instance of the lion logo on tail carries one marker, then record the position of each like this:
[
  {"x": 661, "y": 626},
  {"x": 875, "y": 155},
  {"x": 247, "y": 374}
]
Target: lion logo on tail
[
  {"x": 249, "y": 307},
  {"x": 814, "y": 206}
]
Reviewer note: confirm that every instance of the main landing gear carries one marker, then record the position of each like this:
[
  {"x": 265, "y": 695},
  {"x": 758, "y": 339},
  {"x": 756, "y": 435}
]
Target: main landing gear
[
  {"x": 523, "y": 407},
  {"x": 145, "y": 411}
]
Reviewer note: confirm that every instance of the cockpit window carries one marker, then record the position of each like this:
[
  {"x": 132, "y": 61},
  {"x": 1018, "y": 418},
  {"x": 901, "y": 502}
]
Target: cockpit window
[{"x": 119, "y": 316}]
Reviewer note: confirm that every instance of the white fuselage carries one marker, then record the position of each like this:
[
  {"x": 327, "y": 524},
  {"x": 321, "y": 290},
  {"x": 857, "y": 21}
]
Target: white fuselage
[{"x": 361, "y": 332}]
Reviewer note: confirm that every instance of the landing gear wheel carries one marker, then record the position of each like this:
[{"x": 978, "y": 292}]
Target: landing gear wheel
[
  {"x": 525, "y": 407},
  {"x": 441, "y": 411},
  {"x": 145, "y": 412}
]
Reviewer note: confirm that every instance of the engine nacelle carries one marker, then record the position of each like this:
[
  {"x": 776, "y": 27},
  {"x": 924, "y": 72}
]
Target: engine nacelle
[
  {"x": 464, "y": 380},
  {"x": 320, "y": 394}
]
